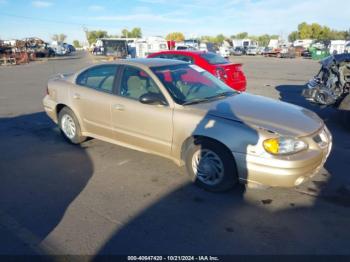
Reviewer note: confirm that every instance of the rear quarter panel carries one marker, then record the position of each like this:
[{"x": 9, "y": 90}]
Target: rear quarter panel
[{"x": 60, "y": 93}]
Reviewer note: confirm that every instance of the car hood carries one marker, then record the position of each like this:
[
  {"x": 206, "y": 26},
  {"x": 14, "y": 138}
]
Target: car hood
[{"x": 261, "y": 112}]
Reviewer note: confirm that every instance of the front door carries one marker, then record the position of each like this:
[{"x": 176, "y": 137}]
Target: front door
[{"x": 146, "y": 127}]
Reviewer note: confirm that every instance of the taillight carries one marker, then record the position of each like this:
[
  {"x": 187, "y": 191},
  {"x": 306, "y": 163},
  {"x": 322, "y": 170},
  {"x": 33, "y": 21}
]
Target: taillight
[{"x": 220, "y": 73}]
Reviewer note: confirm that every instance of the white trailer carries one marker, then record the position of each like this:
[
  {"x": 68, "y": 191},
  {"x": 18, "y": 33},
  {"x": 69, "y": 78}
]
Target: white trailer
[
  {"x": 337, "y": 47},
  {"x": 243, "y": 43},
  {"x": 306, "y": 43},
  {"x": 149, "y": 45}
]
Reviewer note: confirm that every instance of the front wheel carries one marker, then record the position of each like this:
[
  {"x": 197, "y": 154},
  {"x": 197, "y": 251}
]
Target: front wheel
[
  {"x": 211, "y": 166},
  {"x": 70, "y": 127}
]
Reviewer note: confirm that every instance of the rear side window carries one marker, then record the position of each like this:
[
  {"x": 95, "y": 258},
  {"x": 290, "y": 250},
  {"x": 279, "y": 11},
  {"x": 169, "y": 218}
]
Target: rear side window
[{"x": 99, "y": 78}]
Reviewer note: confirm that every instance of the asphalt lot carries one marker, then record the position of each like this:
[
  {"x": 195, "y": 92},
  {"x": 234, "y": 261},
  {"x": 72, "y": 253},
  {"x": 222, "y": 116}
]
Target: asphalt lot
[{"x": 99, "y": 198}]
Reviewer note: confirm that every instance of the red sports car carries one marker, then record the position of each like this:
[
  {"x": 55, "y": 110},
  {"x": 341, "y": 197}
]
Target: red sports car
[{"x": 228, "y": 72}]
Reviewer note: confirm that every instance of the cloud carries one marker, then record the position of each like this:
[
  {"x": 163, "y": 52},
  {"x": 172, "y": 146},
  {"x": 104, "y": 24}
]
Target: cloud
[
  {"x": 96, "y": 8},
  {"x": 41, "y": 4}
]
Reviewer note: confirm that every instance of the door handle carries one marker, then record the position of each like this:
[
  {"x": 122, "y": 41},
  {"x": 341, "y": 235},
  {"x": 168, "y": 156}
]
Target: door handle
[
  {"x": 118, "y": 107},
  {"x": 76, "y": 96}
]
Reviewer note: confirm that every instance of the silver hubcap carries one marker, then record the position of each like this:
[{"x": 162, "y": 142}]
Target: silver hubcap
[
  {"x": 208, "y": 167},
  {"x": 68, "y": 126}
]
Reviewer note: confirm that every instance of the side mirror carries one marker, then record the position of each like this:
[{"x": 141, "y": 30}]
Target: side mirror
[{"x": 152, "y": 99}]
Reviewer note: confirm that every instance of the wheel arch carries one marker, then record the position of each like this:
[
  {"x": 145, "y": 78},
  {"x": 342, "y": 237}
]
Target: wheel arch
[
  {"x": 59, "y": 108},
  {"x": 197, "y": 139}
]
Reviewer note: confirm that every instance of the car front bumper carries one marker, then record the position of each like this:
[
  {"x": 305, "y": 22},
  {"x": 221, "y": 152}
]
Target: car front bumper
[{"x": 281, "y": 172}]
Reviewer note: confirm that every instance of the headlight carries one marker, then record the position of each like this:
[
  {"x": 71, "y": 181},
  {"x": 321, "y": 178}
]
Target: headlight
[{"x": 283, "y": 145}]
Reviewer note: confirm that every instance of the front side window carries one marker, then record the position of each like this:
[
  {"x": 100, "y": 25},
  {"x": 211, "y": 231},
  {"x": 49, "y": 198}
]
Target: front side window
[
  {"x": 99, "y": 78},
  {"x": 136, "y": 83},
  {"x": 191, "y": 84}
]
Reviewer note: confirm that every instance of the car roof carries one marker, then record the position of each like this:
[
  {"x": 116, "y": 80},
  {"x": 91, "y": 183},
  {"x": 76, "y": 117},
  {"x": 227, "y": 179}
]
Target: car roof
[
  {"x": 147, "y": 62},
  {"x": 143, "y": 63},
  {"x": 189, "y": 52}
]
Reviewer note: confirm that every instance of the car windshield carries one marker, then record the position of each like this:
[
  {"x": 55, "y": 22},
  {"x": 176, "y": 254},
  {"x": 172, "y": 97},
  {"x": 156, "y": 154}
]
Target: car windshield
[
  {"x": 189, "y": 84},
  {"x": 213, "y": 59}
]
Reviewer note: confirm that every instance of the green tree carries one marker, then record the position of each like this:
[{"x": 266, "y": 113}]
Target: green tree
[
  {"x": 175, "y": 36},
  {"x": 305, "y": 31},
  {"x": 92, "y": 36},
  {"x": 125, "y": 33},
  {"x": 325, "y": 33},
  {"x": 219, "y": 38},
  {"x": 76, "y": 44},
  {"x": 293, "y": 36},
  {"x": 319, "y": 32},
  {"x": 242, "y": 35},
  {"x": 59, "y": 37},
  {"x": 136, "y": 32},
  {"x": 316, "y": 31}
]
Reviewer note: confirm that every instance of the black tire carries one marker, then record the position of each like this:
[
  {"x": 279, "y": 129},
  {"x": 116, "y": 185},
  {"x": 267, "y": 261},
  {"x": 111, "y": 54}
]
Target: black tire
[
  {"x": 229, "y": 178},
  {"x": 77, "y": 138},
  {"x": 345, "y": 111}
]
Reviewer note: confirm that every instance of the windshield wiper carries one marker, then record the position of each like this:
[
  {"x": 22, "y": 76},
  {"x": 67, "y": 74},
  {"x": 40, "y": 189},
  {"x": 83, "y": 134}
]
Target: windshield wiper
[
  {"x": 224, "y": 94},
  {"x": 196, "y": 101},
  {"x": 206, "y": 99}
]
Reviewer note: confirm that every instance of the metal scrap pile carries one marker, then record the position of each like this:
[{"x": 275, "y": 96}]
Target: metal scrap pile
[{"x": 23, "y": 51}]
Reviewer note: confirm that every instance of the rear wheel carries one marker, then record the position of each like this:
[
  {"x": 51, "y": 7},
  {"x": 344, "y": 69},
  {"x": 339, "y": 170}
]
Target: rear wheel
[
  {"x": 69, "y": 126},
  {"x": 211, "y": 166}
]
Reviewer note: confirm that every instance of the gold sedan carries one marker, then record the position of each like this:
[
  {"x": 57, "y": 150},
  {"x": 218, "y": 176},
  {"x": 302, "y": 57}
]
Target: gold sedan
[{"x": 180, "y": 111}]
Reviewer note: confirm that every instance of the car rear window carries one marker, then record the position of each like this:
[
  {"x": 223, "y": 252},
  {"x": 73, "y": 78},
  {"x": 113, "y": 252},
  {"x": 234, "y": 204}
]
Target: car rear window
[{"x": 214, "y": 59}]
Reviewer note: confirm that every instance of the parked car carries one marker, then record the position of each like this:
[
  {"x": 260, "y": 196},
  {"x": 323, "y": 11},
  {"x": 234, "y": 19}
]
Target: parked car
[
  {"x": 224, "y": 51},
  {"x": 306, "y": 53},
  {"x": 180, "y": 111},
  {"x": 184, "y": 47},
  {"x": 267, "y": 51},
  {"x": 287, "y": 52},
  {"x": 207, "y": 47},
  {"x": 252, "y": 50},
  {"x": 238, "y": 51},
  {"x": 230, "y": 73},
  {"x": 59, "y": 49}
]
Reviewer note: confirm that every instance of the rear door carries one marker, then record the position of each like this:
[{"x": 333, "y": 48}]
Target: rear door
[
  {"x": 92, "y": 98},
  {"x": 147, "y": 127}
]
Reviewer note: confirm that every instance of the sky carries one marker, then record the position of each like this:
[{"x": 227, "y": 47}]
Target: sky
[{"x": 43, "y": 18}]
